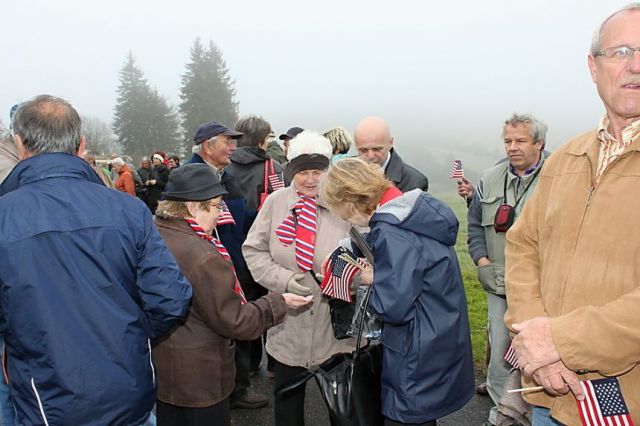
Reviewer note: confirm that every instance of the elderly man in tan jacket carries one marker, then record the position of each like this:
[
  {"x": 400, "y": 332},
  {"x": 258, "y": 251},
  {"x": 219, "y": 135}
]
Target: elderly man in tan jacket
[{"x": 573, "y": 257}]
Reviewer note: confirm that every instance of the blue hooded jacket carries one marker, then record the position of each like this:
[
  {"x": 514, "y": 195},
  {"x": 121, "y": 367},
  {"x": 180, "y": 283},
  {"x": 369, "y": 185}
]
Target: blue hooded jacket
[
  {"x": 418, "y": 294},
  {"x": 85, "y": 282}
]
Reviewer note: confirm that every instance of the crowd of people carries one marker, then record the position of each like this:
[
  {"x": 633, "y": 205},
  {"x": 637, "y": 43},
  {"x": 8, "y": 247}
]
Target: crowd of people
[{"x": 126, "y": 288}]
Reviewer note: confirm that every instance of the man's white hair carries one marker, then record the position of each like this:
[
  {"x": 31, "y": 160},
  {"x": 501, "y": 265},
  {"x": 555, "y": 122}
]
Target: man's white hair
[{"x": 309, "y": 142}]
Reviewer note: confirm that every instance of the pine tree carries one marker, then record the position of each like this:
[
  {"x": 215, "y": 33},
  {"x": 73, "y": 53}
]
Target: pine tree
[
  {"x": 143, "y": 120},
  {"x": 207, "y": 91}
]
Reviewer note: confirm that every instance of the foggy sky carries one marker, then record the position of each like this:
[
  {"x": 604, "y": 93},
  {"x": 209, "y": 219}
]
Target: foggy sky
[{"x": 441, "y": 74}]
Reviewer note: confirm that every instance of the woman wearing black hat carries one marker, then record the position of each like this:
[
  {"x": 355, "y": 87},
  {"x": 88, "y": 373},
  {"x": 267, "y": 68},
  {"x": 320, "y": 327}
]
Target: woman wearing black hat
[{"x": 195, "y": 363}]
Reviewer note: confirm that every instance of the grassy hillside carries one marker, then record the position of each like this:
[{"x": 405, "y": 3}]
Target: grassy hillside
[{"x": 476, "y": 298}]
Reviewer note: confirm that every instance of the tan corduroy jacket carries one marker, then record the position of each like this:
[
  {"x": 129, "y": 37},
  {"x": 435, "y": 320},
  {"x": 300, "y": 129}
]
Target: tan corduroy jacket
[
  {"x": 305, "y": 338},
  {"x": 574, "y": 255}
]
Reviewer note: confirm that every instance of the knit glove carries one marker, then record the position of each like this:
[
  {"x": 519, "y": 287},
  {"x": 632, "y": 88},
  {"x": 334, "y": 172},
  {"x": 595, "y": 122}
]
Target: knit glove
[{"x": 294, "y": 286}]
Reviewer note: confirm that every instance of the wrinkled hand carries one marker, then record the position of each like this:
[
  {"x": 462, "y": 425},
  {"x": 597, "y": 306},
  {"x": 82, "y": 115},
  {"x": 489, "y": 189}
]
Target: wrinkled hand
[
  {"x": 294, "y": 301},
  {"x": 366, "y": 275},
  {"x": 533, "y": 345},
  {"x": 559, "y": 380},
  {"x": 294, "y": 286},
  {"x": 465, "y": 188}
]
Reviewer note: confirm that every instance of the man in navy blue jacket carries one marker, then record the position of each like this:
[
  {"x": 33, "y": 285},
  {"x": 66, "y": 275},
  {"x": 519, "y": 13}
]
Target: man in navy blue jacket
[{"x": 85, "y": 281}]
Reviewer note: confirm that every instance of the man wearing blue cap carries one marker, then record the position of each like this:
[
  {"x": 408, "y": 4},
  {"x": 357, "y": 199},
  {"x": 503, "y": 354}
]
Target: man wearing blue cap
[{"x": 214, "y": 143}]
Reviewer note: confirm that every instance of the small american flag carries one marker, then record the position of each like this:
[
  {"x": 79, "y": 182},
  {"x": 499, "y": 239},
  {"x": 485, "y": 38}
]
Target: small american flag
[
  {"x": 339, "y": 274},
  {"x": 510, "y": 356},
  {"x": 456, "y": 171},
  {"x": 603, "y": 404},
  {"x": 275, "y": 181},
  {"x": 225, "y": 217}
]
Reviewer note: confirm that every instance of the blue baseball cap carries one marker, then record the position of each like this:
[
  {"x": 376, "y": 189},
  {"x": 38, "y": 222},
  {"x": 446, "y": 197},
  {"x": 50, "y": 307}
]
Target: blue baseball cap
[{"x": 211, "y": 129}]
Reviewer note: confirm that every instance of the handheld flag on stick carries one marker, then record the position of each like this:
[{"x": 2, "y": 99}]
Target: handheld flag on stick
[
  {"x": 510, "y": 357},
  {"x": 225, "y": 217},
  {"x": 340, "y": 270},
  {"x": 603, "y": 404},
  {"x": 456, "y": 171}
]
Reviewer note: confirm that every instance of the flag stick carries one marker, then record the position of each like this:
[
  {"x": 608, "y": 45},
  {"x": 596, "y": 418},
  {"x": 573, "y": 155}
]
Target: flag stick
[
  {"x": 533, "y": 388},
  {"x": 351, "y": 261}
]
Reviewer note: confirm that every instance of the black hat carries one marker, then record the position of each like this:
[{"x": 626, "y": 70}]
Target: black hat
[
  {"x": 193, "y": 182},
  {"x": 211, "y": 129},
  {"x": 291, "y": 133}
]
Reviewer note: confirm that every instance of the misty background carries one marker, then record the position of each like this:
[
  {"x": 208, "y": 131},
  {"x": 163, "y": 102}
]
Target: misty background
[{"x": 444, "y": 75}]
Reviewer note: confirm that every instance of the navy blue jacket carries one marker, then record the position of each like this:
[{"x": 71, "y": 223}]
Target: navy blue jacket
[
  {"x": 231, "y": 236},
  {"x": 418, "y": 294},
  {"x": 85, "y": 282}
]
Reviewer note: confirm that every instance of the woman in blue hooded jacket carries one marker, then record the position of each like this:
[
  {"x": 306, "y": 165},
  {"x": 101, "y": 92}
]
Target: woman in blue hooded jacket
[{"x": 417, "y": 292}]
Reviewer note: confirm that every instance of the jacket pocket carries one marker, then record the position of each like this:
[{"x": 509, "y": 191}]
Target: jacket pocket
[
  {"x": 40, "y": 406},
  {"x": 397, "y": 338},
  {"x": 489, "y": 208},
  {"x": 487, "y": 277}
]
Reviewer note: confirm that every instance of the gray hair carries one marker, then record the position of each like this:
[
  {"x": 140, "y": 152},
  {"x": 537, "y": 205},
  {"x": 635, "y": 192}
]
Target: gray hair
[
  {"x": 537, "y": 128},
  {"x": 254, "y": 130},
  {"x": 117, "y": 161},
  {"x": 597, "y": 34},
  {"x": 47, "y": 124}
]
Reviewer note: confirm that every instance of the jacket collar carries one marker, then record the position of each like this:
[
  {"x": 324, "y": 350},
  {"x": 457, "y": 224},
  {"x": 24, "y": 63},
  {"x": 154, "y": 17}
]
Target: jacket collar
[
  {"x": 589, "y": 143},
  {"x": 49, "y": 166},
  {"x": 394, "y": 168},
  {"x": 175, "y": 224}
]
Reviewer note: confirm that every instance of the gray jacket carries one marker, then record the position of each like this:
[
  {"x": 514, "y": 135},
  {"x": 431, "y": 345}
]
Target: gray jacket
[
  {"x": 305, "y": 338},
  {"x": 483, "y": 240}
]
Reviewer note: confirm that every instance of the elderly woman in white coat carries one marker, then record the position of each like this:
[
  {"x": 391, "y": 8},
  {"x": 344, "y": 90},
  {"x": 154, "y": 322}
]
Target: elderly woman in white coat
[{"x": 292, "y": 235}]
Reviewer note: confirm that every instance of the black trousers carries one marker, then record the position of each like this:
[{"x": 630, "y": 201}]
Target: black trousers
[
  {"x": 289, "y": 408},
  {"x": 213, "y": 415}
]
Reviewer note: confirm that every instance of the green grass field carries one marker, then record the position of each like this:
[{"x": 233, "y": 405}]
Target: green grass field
[{"x": 476, "y": 298}]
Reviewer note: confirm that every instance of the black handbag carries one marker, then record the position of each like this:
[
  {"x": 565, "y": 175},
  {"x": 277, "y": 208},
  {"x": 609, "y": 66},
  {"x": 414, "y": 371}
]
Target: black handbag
[
  {"x": 349, "y": 383},
  {"x": 341, "y": 317}
]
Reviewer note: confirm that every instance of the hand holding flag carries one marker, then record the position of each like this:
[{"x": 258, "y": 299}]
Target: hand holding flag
[{"x": 339, "y": 272}]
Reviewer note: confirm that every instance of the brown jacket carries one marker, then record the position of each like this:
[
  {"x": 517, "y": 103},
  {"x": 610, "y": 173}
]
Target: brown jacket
[
  {"x": 195, "y": 363},
  {"x": 574, "y": 255},
  {"x": 305, "y": 338}
]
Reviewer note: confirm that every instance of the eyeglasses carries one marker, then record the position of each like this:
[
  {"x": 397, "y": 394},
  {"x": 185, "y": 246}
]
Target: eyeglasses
[
  {"x": 220, "y": 206},
  {"x": 620, "y": 53}
]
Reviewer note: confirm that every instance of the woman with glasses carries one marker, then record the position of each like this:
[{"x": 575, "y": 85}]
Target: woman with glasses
[{"x": 195, "y": 362}]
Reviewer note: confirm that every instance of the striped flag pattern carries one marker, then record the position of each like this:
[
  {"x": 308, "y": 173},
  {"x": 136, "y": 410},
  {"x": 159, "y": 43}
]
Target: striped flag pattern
[
  {"x": 275, "y": 181},
  {"x": 300, "y": 227},
  {"x": 225, "y": 217},
  {"x": 223, "y": 252},
  {"x": 339, "y": 274},
  {"x": 510, "y": 356},
  {"x": 604, "y": 404},
  {"x": 456, "y": 171}
]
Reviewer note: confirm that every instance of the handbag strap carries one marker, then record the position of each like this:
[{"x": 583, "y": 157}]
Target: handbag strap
[{"x": 266, "y": 178}]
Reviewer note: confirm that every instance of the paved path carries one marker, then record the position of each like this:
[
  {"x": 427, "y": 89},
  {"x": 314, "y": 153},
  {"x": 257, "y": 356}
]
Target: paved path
[{"x": 475, "y": 413}]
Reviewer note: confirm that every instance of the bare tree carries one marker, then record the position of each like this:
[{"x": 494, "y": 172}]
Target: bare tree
[{"x": 100, "y": 139}]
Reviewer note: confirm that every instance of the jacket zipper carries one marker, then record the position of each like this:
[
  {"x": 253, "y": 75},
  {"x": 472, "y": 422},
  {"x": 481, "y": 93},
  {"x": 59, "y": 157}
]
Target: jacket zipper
[
  {"x": 153, "y": 370},
  {"x": 35, "y": 391}
]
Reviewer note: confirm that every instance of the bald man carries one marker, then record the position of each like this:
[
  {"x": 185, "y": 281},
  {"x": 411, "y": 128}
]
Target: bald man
[{"x": 374, "y": 143}]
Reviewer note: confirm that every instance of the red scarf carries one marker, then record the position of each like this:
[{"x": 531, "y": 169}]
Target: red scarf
[
  {"x": 300, "y": 226},
  {"x": 222, "y": 250}
]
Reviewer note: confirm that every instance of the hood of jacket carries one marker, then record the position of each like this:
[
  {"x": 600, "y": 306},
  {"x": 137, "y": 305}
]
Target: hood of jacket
[
  {"x": 249, "y": 155},
  {"x": 420, "y": 213},
  {"x": 46, "y": 166}
]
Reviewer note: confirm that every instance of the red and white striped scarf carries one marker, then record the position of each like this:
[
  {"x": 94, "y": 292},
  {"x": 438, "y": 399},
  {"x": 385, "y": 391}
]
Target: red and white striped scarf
[
  {"x": 300, "y": 227},
  {"x": 222, "y": 250}
]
